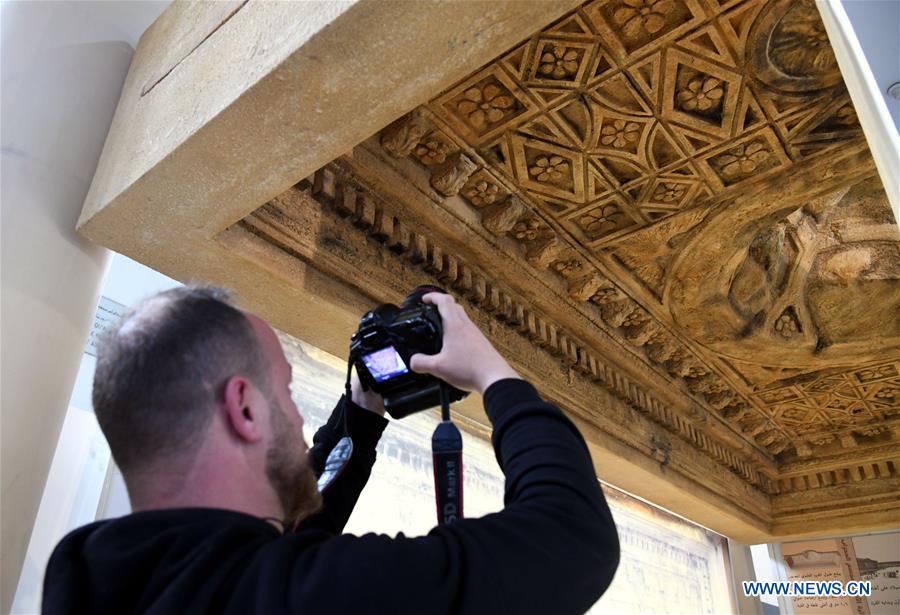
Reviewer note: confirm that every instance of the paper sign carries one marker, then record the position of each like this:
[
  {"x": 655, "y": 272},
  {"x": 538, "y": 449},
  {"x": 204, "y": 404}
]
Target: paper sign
[{"x": 108, "y": 313}]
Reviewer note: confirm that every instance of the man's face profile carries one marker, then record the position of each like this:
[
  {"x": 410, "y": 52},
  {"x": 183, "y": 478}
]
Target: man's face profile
[
  {"x": 287, "y": 461},
  {"x": 288, "y": 471}
]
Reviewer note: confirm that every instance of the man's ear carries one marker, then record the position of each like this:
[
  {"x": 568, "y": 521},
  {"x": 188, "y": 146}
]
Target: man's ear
[{"x": 242, "y": 407}]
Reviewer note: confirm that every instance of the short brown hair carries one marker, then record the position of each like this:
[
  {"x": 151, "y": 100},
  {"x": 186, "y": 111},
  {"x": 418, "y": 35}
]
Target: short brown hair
[{"x": 162, "y": 370}]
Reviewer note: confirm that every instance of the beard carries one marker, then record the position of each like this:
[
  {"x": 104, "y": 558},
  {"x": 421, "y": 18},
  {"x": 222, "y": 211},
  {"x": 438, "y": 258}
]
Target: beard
[{"x": 288, "y": 471}]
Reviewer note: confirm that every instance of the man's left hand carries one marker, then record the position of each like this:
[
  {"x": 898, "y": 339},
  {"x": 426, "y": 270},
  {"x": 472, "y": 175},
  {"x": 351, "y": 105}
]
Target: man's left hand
[{"x": 370, "y": 400}]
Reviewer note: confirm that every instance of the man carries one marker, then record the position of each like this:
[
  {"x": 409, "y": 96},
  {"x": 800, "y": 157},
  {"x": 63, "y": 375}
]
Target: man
[{"x": 194, "y": 398}]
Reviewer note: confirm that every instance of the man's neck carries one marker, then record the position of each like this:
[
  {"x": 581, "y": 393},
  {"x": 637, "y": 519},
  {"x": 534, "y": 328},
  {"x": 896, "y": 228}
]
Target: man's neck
[{"x": 205, "y": 481}]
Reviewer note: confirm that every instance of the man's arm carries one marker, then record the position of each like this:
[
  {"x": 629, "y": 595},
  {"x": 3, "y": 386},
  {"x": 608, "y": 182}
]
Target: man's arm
[
  {"x": 552, "y": 549},
  {"x": 366, "y": 422}
]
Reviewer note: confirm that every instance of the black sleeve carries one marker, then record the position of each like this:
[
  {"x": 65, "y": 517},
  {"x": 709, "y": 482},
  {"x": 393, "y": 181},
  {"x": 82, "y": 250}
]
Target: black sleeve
[
  {"x": 365, "y": 429},
  {"x": 552, "y": 549}
]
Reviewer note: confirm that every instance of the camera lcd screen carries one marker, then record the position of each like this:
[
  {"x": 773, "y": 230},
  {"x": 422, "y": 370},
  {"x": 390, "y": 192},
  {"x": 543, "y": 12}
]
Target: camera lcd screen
[{"x": 384, "y": 364}]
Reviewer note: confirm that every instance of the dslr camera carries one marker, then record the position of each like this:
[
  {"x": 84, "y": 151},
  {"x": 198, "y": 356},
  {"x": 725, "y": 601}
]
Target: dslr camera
[{"x": 382, "y": 346}]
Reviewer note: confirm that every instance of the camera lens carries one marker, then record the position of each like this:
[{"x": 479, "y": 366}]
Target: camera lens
[{"x": 420, "y": 291}]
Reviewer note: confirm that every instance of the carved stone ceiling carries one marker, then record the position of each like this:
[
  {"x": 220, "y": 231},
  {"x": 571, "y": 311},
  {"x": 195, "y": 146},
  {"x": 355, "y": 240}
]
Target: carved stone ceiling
[{"x": 675, "y": 199}]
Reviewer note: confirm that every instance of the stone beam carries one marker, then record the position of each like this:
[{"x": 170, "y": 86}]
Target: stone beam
[
  {"x": 272, "y": 91},
  {"x": 864, "y": 501},
  {"x": 204, "y": 134}
]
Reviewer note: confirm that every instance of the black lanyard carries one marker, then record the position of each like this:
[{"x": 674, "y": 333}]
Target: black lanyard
[
  {"x": 446, "y": 455},
  {"x": 339, "y": 457}
]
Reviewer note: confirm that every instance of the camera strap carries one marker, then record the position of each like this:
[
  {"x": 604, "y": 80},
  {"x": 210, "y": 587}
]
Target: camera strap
[
  {"x": 339, "y": 457},
  {"x": 446, "y": 452}
]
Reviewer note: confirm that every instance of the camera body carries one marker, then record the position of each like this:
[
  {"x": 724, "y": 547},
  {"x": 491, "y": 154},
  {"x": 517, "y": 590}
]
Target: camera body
[{"x": 382, "y": 346}]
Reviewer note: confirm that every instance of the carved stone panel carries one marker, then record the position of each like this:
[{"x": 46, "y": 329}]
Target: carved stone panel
[
  {"x": 632, "y": 130},
  {"x": 815, "y": 287},
  {"x": 627, "y": 112},
  {"x": 673, "y": 199}
]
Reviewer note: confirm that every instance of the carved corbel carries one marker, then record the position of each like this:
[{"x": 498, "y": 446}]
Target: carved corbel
[
  {"x": 483, "y": 190},
  {"x": 615, "y": 312},
  {"x": 660, "y": 348},
  {"x": 720, "y": 399},
  {"x": 568, "y": 267},
  {"x": 583, "y": 288},
  {"x": 500, "y": 218},
  {"x": 637, "y": 317},
  {"x": 779, "y": 446},
  {"x": 848, "y": 441},
  {"x": 674, "y": 363},
  {"x": 449, "y": 177},
  {"x": 687, "y": 368},
  {"x": 874, "y": 430},
  {"x": 401, "y": 137},
  {"x": 640, "y": 333},
  {"x": 804, "y": 449},
  {"x": 752, "y": 425},
  {"x": 527, "y": 229},
  {"x": 822, "y": 439},
  {"x": 767, "y": 437},
  {"x": 544, "y": 251},
  {"x": 734, "y": 412},
  {"x": 607, "y": 294},
  {"x": 701, "y": 385}
]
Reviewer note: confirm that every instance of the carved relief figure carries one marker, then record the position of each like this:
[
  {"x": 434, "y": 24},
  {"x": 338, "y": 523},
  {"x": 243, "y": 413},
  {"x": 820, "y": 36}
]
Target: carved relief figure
[{"x": 817, "y": 287}]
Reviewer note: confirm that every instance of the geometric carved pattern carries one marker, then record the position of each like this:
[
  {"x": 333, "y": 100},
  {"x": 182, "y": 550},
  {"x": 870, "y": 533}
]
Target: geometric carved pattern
[
  {"x": 823, "y": 275},
  {"x": 862, "y": 399},
  {"x": 617, "y": 124},
  {"x": 627, "y": 111}
]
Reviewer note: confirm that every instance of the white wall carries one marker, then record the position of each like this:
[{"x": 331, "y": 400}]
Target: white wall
[
  {"x": 63, "y": 65},
  {"x": 83, "y": 485},
  {"x": 877, "y": 26},
  {"x": 869, "y": 42}
]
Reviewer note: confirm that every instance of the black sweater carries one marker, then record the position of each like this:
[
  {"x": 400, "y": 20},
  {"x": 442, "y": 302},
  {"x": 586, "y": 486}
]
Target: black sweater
[{"x": 552, "y": 550}]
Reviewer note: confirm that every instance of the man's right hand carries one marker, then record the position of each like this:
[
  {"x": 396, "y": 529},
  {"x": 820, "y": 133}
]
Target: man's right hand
[{"x": 467, "y": 359}]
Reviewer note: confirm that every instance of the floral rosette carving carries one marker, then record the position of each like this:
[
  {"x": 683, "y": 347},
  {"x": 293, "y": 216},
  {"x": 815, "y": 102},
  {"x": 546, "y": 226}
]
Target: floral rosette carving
[
  {"x": 669, "y": 193},
  {"x": 639, "y": 17},
  {"x": 786, "y": 326},
  {"x": 485, "y": 106},
  {"x": 601, "y": 219},
  {"x": 549, "y": 168},
  {"x": 482, "y": 192},
  {"x": 432, "y": 151},
  {"x": 527, "y": 230},
  {"x": 620, "y": 134},
  {"x": 742, "y": 160},
  {"x": 559, "y": 62},
  {"x": 703, "y": 94}
]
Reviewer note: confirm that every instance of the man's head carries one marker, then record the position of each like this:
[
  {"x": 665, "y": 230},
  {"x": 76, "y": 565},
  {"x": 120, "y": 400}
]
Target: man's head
[{"x": 185, "y": 368}]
